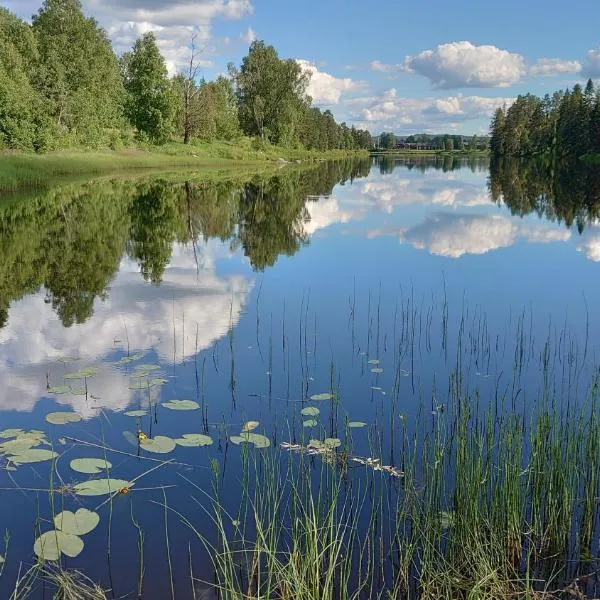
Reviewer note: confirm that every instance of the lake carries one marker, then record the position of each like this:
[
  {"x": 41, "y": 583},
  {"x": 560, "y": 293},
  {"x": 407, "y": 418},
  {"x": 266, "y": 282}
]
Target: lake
[{"x": 384, "y": 368}]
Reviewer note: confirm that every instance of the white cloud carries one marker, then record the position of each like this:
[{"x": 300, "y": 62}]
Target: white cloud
[
  {"x": 381, "y": 67},
  {"x": 248, "y": 36},
  {"x": 326, "y": 89},
  {"x": 392, "y": 112},
  {"x": 453, "y": 236},
  {"x": 592, "y": 64},
  {"x": 554, "y": 66},
  {"x": 325, "y": 211},
  {"x": 35, "y": 338},
  {"x": 462, "y": 64}
]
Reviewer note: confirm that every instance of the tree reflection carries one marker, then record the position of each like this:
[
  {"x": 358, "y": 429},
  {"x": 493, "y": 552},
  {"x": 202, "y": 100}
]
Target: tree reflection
[
  {"x": 70, "y": 240},
  {"x": 566, "y": 192}
]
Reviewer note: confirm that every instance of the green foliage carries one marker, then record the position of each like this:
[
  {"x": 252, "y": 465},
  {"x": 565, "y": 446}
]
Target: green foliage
[
  {"x": 61, "y": 85},
  {"x": 78, "y": 74},
  {"x": 271, "y": 94},
  {"x": 23, "y": 122},
  {"x": 150, "y": 101},
  {"x": 565, "y": 125},
  {"x": 387, "y": 140}
]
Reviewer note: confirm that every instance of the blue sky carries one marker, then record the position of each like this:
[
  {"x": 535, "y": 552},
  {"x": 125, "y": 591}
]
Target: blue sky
[{"x": 399, "y": 66}]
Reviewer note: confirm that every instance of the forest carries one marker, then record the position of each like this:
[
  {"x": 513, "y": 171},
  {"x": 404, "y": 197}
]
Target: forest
[
  {"x": 565, "y": 124},
  {"x": 63, "y": 86}
]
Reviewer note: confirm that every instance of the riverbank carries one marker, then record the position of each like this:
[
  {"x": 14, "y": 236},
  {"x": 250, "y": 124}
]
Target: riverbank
[{"x": 22, "y": 171}]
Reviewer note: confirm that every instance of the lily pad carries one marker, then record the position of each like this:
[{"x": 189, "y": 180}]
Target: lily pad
[
  {"x": 377, "y": 370},
  {"x": 193, "y": 440},
  {"x": 160, "y": 444},
  {"x": 139, "y": 384},
  {"x": 181, "y": 405},
  {"x": 158, "y": 381},
  {"x": 316, "y": 444},
  {"x": 10, "y": 433},
  {"x": 139, "y": 374},
  {"x": 356, "y": 424},
  {"x": 59, "y": 389},
  {"x": 82, "y": 373},
  {"x": 100, "y": 487},
  {"x": 147, "y": 367},
  {"x": 62, "y": 418},
  {"x": 78, "y": 523},
  {"x": 136, "y": 413},
  {"x": 259, "y": 441},
  {"x": 332, "y": 442},
  {"x": 310, "y": 411},
  {"x": 249, "y": 426},
  {"x": 324, "y": 396},
  {"x": 33, "y": 455},
  {"x": 90, "y": 466},
  {"x": 18, "y": 445},
  {"x": 310, "y": 423},
  {"x": 50, "y": 545},
  {"x": 373, "y": 361}
]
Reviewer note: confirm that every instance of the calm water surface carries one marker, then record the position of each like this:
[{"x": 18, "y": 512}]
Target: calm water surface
[{"x": 251, "y": 296}]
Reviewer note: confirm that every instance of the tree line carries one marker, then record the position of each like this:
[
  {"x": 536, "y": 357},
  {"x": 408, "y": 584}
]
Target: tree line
[
  {"x": 62, "y": 85},
  {"x": 388, "y": 140},
  {"x": 565, "y": 124}
]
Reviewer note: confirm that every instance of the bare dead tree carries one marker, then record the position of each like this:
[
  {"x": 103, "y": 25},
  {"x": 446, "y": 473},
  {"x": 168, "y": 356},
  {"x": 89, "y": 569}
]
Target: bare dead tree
[{"x": 191, "y": 91}]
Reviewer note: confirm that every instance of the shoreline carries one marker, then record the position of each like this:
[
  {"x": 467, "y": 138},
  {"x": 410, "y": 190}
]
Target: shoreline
[{"x": 20, "y": 171}]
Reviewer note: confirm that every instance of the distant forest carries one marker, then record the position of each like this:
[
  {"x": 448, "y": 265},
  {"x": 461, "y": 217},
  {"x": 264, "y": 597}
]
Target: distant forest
[
  {"x": 564, "y": 124},
  {"x": 62, "y": 85},
  {"x": 428, "y": 141}
]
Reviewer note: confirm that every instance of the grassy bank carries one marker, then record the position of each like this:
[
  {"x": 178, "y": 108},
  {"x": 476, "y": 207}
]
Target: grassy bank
[{"x": 20, "y": 171}]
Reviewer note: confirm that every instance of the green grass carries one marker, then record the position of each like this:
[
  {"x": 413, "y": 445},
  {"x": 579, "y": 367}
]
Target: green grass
[{"x": 21, "y": 171}]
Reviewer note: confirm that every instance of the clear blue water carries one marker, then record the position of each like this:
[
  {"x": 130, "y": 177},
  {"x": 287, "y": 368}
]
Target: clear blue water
[{"x": 252, "y": 297}]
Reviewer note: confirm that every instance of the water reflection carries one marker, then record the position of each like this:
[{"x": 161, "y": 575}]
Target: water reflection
[{"x": 70, "y": 241}]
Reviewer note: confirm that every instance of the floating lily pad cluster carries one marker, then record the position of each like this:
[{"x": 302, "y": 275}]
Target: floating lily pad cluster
[
  {"x": 22, "y": 447},
  {"x": 65, "y": 538},
  {"x": 247, "y": 436}
]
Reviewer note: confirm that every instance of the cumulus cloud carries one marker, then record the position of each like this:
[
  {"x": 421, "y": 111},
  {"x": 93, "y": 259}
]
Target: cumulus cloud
[
  {"x": 591, "y": 67},
  {"x": 453, "y": 236},
  {"x": 554, "y": 66},
  {"x": 326, "y": 89},
  {"x": 392, "y": 112},
  {"x": 462, "y": 64},
  {"x": 33, "y": 339}
]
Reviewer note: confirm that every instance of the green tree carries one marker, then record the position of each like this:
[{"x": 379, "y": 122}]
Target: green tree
[
  {"x": 387, "y": 140},
  {"x": 78, "y": 74},
  {"x": 271, "y": 94},
  {"x": 150, "y": 102},
  {"x": 449, "y": 144},
  {"x": 24, "y": 125}
]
